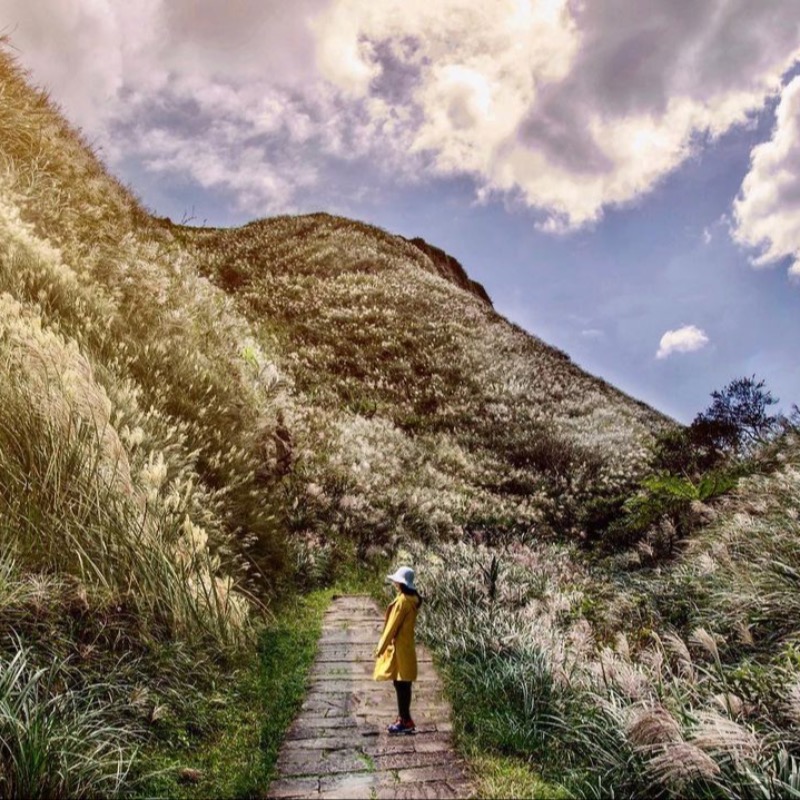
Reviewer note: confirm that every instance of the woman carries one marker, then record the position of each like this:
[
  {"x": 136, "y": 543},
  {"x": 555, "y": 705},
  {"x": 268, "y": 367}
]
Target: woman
[{"x": 396, "y": 655}]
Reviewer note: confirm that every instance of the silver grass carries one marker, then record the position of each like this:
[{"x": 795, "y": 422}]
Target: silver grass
[
  {"x": 721, "y": 552},
  {"x": 706, "y": 564},
  {"x": 677, "y": 647},
  {"x": 721, "y": 736},
  {"x": 681, "y": 763},
  {"x": 793, "y": 703},
  {"x": 653, "y": 658},
  {"x": 645, "y": 550},
  {"x": 743, "y": 633},
  {"x": 729, "y": 703},
  {"x": 705, "y": 641},
  {"x": 630, "y": 681},
  {"x": 581, "y": 638},
  {"x": 621, "y": 646},
  {"x": 653, "y": 726}
]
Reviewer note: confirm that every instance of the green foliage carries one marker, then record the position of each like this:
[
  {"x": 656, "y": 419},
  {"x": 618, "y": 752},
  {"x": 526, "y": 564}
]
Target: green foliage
[
  {"x": 57, "y": 742},
  {"x": 500, "y": 777},
  {"x": 733, "y": 425},
  {"x": 601, "y": 520},
  {"x": 661, "y": 495},
  {"x": 287, "y": 652},
  {"x": 692, "y": 466},
  {"x": 695, "y": 465},
  {"x": 681, "y": 451},
  {"x": 667, "y": 503},
  {"x": 505, "y": 700}
]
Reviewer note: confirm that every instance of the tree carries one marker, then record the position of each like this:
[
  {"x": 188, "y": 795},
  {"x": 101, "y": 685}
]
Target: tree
[{"x": 737, "y": 419}]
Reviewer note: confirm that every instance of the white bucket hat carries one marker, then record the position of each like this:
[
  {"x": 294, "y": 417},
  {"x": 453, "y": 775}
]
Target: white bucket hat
[{"x": 404, "y": 575}]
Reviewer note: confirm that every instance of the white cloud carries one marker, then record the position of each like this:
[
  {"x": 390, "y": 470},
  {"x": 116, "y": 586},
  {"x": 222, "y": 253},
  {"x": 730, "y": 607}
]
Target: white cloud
[
  {"x": 767, "y": 211},
  {"x": 707, "y": 235},
  {"x": 239, "y": 169},
  {"x": 82, "y": 52},
  {"x": 682, "y": 340},
  {"x": 569, "y": 107},
  {"x": 201, "y": 91}
]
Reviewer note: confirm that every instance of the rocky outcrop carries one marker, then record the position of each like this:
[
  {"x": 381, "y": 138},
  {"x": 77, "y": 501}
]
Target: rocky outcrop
[{"x": 451, "y": 269}]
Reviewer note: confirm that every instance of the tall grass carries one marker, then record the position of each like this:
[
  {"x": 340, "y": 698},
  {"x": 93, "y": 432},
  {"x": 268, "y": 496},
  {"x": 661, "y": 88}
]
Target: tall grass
[
  {"x": 605, "y": 683},
  {"x": 102, "y": 570},
  {"x": 69, "y": 503}
]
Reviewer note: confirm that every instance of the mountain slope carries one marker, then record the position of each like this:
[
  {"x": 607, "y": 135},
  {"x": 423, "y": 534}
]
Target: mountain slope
[{"x": 365, "y": 326}]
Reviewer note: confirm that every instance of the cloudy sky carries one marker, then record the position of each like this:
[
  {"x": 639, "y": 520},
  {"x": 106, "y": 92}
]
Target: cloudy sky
[{"x": 622, "y": 175}]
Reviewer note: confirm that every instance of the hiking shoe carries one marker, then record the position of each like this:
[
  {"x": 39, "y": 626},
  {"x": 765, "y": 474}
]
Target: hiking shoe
[{"x": 402, "y": 726}]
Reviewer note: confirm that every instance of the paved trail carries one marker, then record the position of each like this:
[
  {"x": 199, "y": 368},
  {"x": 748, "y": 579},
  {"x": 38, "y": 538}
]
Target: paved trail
[{"x": 338, "y": 746}]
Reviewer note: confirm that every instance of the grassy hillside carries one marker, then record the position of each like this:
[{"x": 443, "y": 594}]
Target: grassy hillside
[
  {"x": 626, "y": 678},
  {"x": 432, "y": 415},
  {"x": 127, "y": 466},
  {"x": 197, "y": 422}
]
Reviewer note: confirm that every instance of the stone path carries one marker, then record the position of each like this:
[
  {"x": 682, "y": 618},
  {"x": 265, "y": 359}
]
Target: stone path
[{"x": 338, "y": 746}]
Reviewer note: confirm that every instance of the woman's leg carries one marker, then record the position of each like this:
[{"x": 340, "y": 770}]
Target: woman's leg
[
  {"x": 398, "y": 692},
  {"x": 403, "y": 690}
]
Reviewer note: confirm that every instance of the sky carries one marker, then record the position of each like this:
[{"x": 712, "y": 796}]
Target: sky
[{"x": 623, "y": 176}]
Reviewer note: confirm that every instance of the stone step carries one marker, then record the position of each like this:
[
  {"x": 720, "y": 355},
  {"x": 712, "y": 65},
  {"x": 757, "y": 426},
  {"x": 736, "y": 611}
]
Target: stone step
[
  {"x": 357, "y": 655},
  {"x": 349, "y": 669},
  {"x": 344, "y": 683},
  {"x": 330, "y": 762},
  {"x": 375, "y": 745}
]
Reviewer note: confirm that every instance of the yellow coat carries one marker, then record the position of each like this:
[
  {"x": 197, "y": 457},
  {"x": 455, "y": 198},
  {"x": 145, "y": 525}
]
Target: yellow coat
[{"x": 396, "y": 656}]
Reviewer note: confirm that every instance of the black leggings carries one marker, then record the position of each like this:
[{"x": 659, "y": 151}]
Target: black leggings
[{"x": 403, "y": 689}]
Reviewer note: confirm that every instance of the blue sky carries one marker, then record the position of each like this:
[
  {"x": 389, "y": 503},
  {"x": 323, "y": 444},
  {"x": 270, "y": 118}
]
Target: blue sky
[{"x": 609, "y": 177}]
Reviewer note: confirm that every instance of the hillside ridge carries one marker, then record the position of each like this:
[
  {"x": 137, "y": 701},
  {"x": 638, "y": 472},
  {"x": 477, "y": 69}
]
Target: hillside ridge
[{"x": 437, "y": 260}]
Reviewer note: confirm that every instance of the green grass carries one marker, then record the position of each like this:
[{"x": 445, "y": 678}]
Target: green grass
[
  {"x": 501, "y": 726},
  {"x": 356, "y": 578},
  {"x": 233, "y": 739},
  {"x": 501, "y": 777},
  {"x": 497, "y": 732}
]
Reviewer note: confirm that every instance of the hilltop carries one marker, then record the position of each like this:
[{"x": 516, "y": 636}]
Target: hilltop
[{"x": 442, "y": 391}]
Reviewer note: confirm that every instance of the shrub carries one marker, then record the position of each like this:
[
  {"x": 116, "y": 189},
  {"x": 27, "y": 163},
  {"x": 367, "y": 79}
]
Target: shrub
[{"x": 680, "y": 451}]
